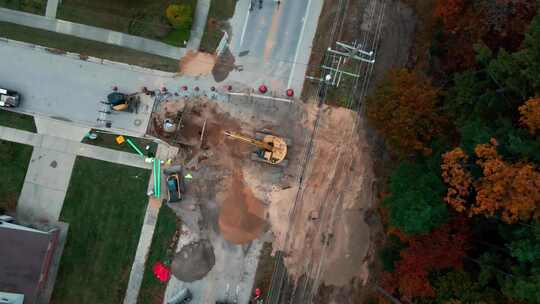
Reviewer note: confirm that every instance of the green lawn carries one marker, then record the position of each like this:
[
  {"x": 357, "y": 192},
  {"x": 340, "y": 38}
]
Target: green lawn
[
  {"x": 30, "y": 6},
  {"x": 14, "y": 159},
  {"x": 145, "y": 18},
  {"x": 162, "y": 249},
  {"x": 17, "y": 121},
  {"x": 86, "y": 47},
  {"x": 104, "y": 206},
  {"x": 108, "y": 140},
  {"x": 220, "y": 12}
]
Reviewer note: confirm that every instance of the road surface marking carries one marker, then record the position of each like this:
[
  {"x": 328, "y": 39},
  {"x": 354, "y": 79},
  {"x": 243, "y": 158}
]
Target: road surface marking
[
  {"x": 244, "y": 29},
  {"x": 304, "y": 19}
]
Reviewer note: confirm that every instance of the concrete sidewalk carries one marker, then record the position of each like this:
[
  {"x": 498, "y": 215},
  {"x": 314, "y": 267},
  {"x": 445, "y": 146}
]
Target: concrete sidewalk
[
  {"x": 91, "y": 33},
  {"x": 62, "y": 145},
  {"x": 52, "y": 8},
  {"x": 197, "y": 30}
]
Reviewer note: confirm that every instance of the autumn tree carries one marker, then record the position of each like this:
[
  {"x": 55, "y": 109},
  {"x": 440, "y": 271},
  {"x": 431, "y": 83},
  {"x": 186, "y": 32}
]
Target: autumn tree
[
  {"x": 415, "y": 203},
  {"x": 443, "y": 248},
  {"x": 505, "y": 21},
  {"x": 513, "y": 190},
  {"x": 404, "y": 110},
  {"x": 530, "y": 115},
  {"x": 456, "y": 175}
]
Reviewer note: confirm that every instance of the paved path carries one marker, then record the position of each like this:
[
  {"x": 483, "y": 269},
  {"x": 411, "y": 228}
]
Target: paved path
[
  {"x": 91, "y": 33},
  {"x": 52, "y": 8},
  {"x": 197, "y": 30}
]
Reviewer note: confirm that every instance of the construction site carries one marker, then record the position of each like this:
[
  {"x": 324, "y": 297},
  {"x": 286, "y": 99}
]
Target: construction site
[{"x": 252, "y": 171}]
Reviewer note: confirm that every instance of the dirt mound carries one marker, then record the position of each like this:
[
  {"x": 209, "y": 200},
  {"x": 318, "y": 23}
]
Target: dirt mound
[
  {"x": 197, "y": 63},
  {"x": 242, "y": 215},
  {"x": 194, "y": 261}
]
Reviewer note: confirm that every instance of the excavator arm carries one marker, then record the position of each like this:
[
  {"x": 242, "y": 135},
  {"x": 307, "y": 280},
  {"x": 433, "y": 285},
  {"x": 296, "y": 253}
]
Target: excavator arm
[{"x": 254, "y": 142}]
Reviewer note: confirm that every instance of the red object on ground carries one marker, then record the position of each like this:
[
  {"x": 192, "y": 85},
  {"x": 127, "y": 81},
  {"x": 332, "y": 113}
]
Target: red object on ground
[
  {"x": 161, "y": 272},
  {"x": 290, "y": 92},
  {"x": 258, "y": 292},
  {"x": 229, "y": 87},
  {"x": 184, "y": 88},
  {"x": 263, "y": 89}
]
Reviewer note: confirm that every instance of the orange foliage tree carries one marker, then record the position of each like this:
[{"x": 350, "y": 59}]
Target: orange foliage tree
[
  {"x": 458, "y": 178},
  {"x": 404, "y": 110},
  {"x": 443, "y": 248},
  {"x": 530, "y": 115},
  {"x": 511, "y": 189}
]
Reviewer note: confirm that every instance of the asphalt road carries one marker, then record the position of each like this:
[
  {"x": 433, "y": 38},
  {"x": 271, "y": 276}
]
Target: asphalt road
[
  {"x": 273, "y": 43},
  {"x": 71, "y": 89}
]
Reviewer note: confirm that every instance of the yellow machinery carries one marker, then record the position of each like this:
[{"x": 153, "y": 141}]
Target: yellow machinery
[{"x": 272, "y": 149}]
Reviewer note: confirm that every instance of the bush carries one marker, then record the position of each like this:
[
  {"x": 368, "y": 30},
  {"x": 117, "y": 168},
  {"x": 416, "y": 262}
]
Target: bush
[{"x": 180, "y": 16}]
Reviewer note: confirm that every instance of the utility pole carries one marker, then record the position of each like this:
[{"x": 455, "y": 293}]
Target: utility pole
[{"x": 338, "y": 58}]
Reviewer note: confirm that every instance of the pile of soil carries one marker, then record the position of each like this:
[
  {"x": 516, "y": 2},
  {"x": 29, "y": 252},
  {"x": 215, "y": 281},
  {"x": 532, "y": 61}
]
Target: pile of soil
[
  {"x": 194, "y": 261},
  {"x": 241, "y": 219},
  {"x": 197, "y": 63}
]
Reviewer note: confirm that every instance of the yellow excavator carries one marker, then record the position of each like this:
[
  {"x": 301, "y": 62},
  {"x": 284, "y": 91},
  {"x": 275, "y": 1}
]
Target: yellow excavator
[{"x": 272, "y": 149}]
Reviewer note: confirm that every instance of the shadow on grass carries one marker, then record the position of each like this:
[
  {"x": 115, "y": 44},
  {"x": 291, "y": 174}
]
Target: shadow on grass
[{"x": 14, "y": 160}]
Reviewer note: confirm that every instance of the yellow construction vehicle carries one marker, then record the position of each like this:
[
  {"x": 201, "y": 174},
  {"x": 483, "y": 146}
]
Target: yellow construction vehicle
[{"x": 272, "y": 149}]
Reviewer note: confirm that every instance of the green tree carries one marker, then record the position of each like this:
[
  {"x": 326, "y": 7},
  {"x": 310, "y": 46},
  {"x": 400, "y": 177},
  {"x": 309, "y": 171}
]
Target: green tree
[
  {"x": 517, "y": 274},
  {"x": 461, "y": 286},
  {"x": 474, "y": 132},
  {"x": 415, "y": 202}
]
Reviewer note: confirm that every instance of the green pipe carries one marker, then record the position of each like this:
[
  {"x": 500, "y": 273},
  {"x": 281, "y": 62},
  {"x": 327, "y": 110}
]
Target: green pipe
[
  {"x": 158, "y": 176},
  {"x": 155, "y": 177},
  {"x": 132, "y": 144}
]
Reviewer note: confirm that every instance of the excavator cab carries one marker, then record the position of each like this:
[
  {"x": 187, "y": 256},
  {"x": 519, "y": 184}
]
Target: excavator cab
[
  {"x": 122, "y": 102},
  {"x": 271, "y": 149}
]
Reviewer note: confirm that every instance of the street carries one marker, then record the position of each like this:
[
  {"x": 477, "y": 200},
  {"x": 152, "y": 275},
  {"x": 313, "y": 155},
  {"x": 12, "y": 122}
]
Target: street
[{"x": 273, "y": 43}]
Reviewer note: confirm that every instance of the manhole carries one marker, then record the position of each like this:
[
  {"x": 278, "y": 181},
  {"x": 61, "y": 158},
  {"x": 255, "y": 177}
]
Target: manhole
[
  {"x": 54, "y": 164},
  {"x": 137, "y": 122}
]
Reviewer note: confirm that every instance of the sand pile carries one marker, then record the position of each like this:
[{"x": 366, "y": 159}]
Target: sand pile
[
  {"x": 197, "y": 63},
  {"x": 241, "y": 218},
  {"x": 194, "y": 261}
]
